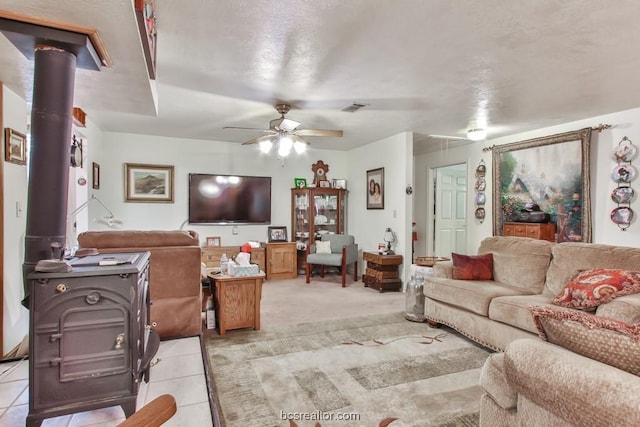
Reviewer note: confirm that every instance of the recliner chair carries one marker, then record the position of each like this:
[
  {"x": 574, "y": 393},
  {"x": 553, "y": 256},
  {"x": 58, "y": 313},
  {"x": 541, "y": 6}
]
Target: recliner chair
[{"x": 343, "y": 252}]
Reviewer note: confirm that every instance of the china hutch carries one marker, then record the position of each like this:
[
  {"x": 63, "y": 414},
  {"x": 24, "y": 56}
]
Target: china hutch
[{"x": 314, "y": 212}]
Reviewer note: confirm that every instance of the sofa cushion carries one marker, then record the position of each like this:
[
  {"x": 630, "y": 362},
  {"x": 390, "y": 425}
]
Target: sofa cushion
[
  {"x": 518, "y": 261},
  {"x": 625, "y": 309},
  {"x": 600, "y": 338},
  {"x": 516, "y": 310},
  {"x": 590, "y": 288},
  {"x": 137, "y": 238},
  {"x": 469, "y": 267},
  {"x": 570, "y": 257},
  {"x": 472, "y": 295}
]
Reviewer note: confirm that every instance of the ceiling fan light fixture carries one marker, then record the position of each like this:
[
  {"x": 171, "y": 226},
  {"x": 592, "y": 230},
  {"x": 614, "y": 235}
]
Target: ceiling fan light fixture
[
  {"x": 265, "y": 145},
  {"x": 477, "y": 134},
  {"x": 300, "y": 147},
  {"x": 285, "y": 144}
]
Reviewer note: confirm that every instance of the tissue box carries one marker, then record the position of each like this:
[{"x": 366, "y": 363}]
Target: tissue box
[{"x": 236, "y": 270}]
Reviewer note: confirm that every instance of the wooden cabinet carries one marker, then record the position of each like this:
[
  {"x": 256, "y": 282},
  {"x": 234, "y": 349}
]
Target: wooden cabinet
[
  {"x": 316, "y": 211},
  {"x": 237, "y": 302},
  {"x": 211, "y": 255},
  {"x": 381, "y": 272},
  {"x": 538, "y": 231},
  {"x": 281, "y": 260}
]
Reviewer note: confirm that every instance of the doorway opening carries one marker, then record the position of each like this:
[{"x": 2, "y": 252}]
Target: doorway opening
[{"x": 449, "y": 209}]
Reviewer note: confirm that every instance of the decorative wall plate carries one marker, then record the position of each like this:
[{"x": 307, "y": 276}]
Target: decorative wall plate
[
  {"x": 481, "y": 199},
  {"x": 623, "y": 173},
  {"x": 622, "y": 215},
  {"x": 481, "y": 184},
  {"x": 622, "y": 195},
  {"x": 625, "y": 152},
  {"x": 481, "y": 170},
  {"x": 480, "y": 213}
]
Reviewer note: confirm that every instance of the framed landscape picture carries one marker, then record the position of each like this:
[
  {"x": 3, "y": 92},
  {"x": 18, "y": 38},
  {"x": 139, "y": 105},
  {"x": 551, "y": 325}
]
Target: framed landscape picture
[
  {"x": 148, "y": 183},
  {"x": 15, "y": 147},
  {"x": 550, "y": 174}
]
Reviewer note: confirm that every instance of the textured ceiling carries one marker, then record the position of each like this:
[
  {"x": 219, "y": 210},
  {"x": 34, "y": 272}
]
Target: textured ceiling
[{"x": 426, "y": 66}]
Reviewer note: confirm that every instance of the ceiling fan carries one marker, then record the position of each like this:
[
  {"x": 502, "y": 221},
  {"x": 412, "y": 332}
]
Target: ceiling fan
[{"x": 285, "y": 132}]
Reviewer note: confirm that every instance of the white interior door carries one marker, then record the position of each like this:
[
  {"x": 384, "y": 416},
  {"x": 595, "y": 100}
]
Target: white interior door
[{"x": 450, "y": 222}]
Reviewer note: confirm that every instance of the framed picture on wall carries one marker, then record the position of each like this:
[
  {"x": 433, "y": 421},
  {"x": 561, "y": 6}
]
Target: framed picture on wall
[
  {"x": 550, "y": 173},
  {"x": 148, "y": 183},
  {"x": 375, "y": 188},
  {"x": 95, "y": 176},
  {"x": 15, "y": 147}
]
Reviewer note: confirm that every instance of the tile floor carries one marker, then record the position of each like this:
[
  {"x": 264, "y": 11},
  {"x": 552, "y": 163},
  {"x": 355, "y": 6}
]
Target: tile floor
[{"x": 179, "y": 372}]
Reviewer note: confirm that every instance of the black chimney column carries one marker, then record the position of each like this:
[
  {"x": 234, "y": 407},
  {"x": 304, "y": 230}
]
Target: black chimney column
[{"x": 51, "y": 120}]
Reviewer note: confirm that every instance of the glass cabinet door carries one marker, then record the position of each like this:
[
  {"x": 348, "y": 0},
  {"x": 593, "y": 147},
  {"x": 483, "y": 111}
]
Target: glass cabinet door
[
  {"x": 301, "y": 228},
  {"x": 315, "y": 212},
  {"x": 328, "y": 211}
]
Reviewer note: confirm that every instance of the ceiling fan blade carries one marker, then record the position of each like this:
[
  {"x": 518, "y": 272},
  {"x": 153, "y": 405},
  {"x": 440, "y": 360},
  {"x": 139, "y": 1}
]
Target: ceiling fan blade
[
  {"x": 257, "y": 139},
  {"x": 457, "y": 138},
  {"x": 243, "y": 128},
  {"x": 319, "y": 132}
]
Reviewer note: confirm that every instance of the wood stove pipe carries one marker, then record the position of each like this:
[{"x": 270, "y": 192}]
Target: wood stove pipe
[
  {"x": 56, "y": 48},
  {"x": 51, "y": 120}
]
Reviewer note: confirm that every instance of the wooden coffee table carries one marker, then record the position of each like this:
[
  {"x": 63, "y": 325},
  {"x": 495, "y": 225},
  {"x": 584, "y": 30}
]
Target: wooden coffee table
[{"x": 237, "y": 301}]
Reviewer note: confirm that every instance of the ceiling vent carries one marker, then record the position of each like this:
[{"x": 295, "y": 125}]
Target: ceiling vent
[{"x": 353, "y": 107}]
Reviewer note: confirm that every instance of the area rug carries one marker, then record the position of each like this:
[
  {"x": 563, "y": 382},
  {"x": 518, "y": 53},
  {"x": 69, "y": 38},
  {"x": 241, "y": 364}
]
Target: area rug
[{"x": 347, "y": 372}]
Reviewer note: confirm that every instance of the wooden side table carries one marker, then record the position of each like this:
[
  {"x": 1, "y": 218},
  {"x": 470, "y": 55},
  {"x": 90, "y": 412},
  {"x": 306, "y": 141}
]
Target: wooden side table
[
  {"x": 237, "y": 301},
  {"x": 382, "y": 272}
]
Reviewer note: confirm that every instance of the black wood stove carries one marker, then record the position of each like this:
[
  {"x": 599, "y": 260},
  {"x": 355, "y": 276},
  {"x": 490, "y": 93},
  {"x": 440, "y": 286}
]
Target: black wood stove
[{"x": 90, "y": 342}]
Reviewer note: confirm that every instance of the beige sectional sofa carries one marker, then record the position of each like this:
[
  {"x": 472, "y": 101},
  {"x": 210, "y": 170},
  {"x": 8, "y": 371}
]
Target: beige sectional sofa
[
  {"x": 527, "y": 272},
  {"x": 534, "y": 382}
]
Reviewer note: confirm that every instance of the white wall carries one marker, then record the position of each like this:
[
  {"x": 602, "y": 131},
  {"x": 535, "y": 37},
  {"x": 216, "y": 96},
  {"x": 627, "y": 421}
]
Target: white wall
[
  {"x": 625, "y": 123},
  {"x": 16, "y": 317},
  {"x": 394, "y": 154},
  {"x": 198, "y": 156}
]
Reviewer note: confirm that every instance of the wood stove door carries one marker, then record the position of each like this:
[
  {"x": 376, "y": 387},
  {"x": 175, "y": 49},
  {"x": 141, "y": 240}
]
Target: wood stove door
[
  {"x": 83, "y": 345},
  {"x": 94, "y": 342}
]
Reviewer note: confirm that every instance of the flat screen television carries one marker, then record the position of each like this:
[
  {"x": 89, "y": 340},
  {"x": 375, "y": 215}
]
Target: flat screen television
[{"x": 229, "y": 199}]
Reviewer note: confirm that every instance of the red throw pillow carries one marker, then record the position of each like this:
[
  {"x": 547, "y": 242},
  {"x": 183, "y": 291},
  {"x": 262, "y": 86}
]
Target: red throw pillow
[
  {"x": 590, "y": 288},
  {"x": 472, "y": 267}
]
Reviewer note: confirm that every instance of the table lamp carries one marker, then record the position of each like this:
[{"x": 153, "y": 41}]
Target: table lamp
[{"x": 389, "y": 238}]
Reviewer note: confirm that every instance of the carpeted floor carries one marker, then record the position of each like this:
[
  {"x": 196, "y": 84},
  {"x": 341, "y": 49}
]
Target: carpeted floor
[{"x": 368, "y": 367}]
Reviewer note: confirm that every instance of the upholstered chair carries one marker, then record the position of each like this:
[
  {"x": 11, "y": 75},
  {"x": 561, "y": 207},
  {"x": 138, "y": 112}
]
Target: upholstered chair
[{"x": 334, "y": 250}]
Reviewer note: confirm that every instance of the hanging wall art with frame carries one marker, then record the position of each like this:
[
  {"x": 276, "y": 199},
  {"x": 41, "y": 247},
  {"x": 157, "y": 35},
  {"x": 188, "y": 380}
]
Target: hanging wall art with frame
[{"x": 552, "y": 172}]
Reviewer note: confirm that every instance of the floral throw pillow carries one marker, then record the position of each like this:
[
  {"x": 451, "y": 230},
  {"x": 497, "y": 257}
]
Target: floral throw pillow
[
  {"x": 472, "y": 267},
  {"x": 590, "y": 288},
  {"x": 600, "y": 338}
]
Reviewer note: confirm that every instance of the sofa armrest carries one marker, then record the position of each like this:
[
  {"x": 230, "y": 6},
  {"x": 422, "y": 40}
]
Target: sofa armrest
[
  {"x": 625, "y": 309},
  {"x": 575, "y": 388},
  {"x": 443, "y": 269}
]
